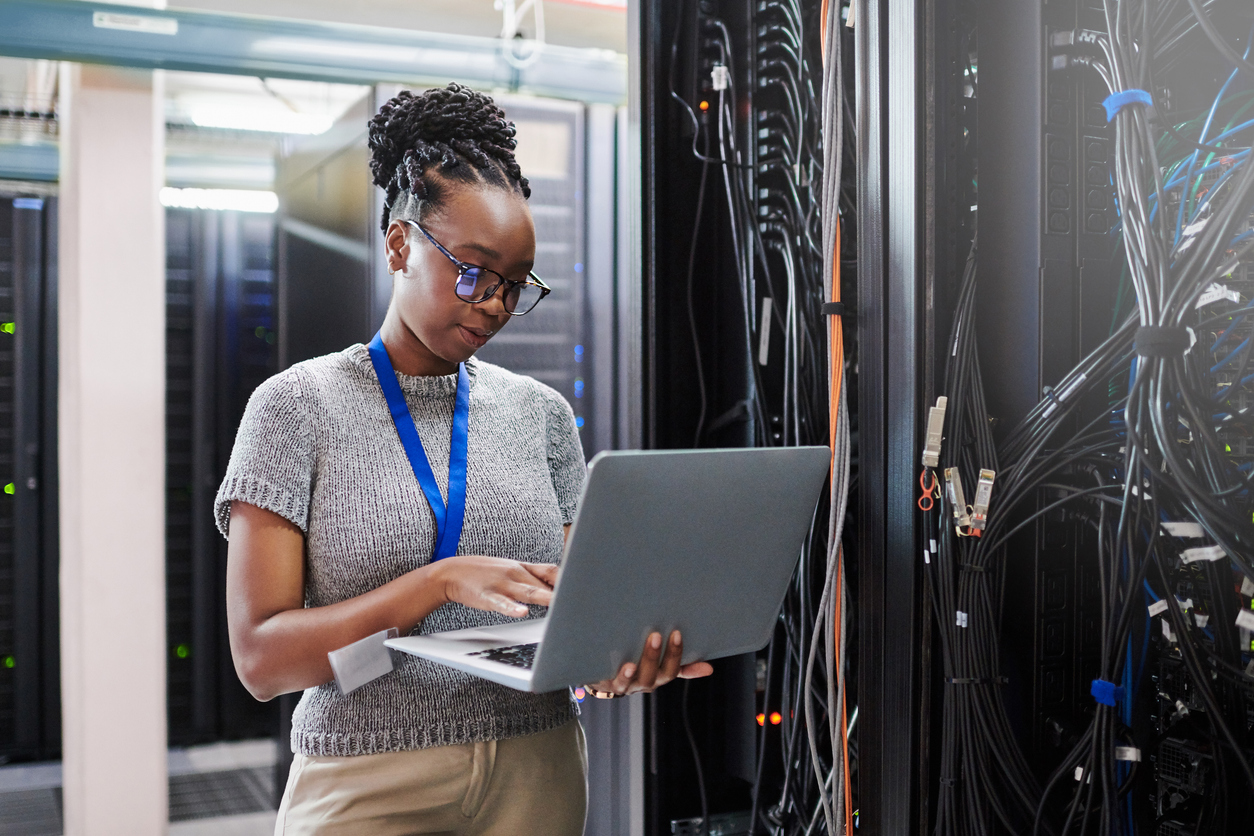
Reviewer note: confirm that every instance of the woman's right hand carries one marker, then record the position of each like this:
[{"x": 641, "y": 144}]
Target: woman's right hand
[{"x": 495, "y": 584}]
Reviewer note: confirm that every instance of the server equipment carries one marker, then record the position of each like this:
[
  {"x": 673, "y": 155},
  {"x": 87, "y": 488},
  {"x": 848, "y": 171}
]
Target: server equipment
[
  {"x": 221, "y": 342},
  {"x": 747, "y": 191},
  {"x": 30, "y": 717},
  {"x": 1088, "y": 554}
]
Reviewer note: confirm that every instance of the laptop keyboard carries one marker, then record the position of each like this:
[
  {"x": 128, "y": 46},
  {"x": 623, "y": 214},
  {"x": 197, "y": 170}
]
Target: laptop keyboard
[{"x": 518, "y": 655}]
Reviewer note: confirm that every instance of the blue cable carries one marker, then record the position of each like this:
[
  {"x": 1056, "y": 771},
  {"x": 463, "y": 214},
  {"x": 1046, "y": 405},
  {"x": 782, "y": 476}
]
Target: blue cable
[{"x": 1206, "y": 127}]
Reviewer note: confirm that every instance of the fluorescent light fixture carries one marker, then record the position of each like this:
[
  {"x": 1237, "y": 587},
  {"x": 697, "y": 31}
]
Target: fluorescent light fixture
[
  {"x": 237, "y": 200},
  {"x": 269, "y": 120}
]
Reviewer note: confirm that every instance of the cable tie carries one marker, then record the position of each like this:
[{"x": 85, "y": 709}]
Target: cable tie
[
  {"x": 948, "y": 782},
  {"x": 1106, "y": 693},
  {"x": 1116, "y": 102},
  {"x": 1163, "y": 341},
  {"x": 836, "y": 309}
]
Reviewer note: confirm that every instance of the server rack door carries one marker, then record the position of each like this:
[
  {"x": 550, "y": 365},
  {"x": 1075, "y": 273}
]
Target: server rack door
[
  {"x": 220, "y": 344},
  {"x": 29, "y": 664}
]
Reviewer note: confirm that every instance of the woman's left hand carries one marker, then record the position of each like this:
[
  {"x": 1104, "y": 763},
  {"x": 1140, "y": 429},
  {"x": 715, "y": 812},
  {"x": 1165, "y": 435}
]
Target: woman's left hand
[{"x": 654, "y": 670}]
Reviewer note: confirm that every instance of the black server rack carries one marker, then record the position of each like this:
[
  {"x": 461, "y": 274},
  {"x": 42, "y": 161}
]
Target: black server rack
[
  {"x": 30, "y": 721},
  {"x": 735, "y": 342},
  {"x": 221, "y": 342}
]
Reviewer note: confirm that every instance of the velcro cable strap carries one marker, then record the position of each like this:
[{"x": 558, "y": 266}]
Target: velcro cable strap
[
  {"x": 1162, "y": 341},
  {"x": 835, "y": 309},
  {"x": 1106, "y": 693},
  {"x": 1116, "y": 102}
]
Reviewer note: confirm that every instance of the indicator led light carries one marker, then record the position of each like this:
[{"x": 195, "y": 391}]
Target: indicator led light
[{"x": 776, "y": 718}]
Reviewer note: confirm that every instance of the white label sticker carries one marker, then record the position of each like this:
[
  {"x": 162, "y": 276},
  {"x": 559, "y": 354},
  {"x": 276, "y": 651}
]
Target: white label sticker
[
  {"x": 1247, "y": 587},
  {"x": 933, "y": 547},
  {"x": 136, "y": 23},
  {"x": 1245, "y": 619},
  {"x": 1184, "y": 529},
  {"x": 1127, "y": 753},
  {"x": 1202, "y": 620},
  {"x": 1079, "y": 773},
  {"x": 1158, "y": 608},
  {"x": 1216, "y": 292},
  {"x": 962, "y": 619},
  {"x": 1168, "y": 634},
  {"x": 764, "y": 332},
  {"x": 927, "y": 556},
  {"x": 1210, "y": 553}
]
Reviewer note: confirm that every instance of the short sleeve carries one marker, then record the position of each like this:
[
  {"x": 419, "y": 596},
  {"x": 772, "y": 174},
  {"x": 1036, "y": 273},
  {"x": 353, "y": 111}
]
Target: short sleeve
[
  {"x": 272, "y": 462},
  {"x": 566, "y": 462}
]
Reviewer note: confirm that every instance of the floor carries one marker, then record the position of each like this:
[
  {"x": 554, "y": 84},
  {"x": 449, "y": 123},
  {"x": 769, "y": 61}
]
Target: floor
[{"x": 224, "y": 789}]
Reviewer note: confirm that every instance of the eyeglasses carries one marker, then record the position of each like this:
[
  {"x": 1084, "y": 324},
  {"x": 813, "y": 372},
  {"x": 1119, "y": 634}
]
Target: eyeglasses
[{"x": 479, "y": 284}]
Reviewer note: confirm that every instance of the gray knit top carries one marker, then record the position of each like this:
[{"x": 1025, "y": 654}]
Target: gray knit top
[{"x": 318, "y": 447}]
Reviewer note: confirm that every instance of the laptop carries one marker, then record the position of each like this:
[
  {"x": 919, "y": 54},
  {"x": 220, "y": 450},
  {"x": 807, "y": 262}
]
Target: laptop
[{"x": 701, "y": 541}]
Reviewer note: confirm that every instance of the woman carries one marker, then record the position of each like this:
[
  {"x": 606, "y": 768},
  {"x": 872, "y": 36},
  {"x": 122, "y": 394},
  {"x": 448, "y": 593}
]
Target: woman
[{"x": 333, "y": 538}]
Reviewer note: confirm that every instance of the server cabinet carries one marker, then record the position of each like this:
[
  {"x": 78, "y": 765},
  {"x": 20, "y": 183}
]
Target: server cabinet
[
  {"x": 221, "y": 342},
  {"x": 30, "y": 717}
]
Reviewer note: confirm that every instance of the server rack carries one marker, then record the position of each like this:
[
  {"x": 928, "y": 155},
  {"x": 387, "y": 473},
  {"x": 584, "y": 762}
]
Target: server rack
[
  {"x": 221, "y": 342},
  {"x": 30, "y": 721}
]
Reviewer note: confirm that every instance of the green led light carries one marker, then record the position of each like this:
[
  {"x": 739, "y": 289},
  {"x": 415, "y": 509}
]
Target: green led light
[
  {"x": 10, "y": 662},
  {"x": 182, "y": 651},
  {"x": 10, "y": 489},
  {"x": 260, "y": 332},
  {"x": 8, "y": 327}
]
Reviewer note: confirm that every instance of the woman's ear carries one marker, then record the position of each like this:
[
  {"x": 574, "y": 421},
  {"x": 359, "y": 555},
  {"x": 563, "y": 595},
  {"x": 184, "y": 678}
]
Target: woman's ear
[{"x": 396, "y": 244}]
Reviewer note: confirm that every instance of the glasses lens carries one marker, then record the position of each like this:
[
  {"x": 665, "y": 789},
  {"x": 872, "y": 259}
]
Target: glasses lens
[
  {"x": 474, "y": 284},
  {"x": 522, "y": 298}
]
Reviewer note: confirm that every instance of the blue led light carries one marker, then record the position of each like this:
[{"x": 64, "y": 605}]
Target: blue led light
[
  {"x": 579, "y": 421},
  {"x": 578, "y": 266},
  {"x": 578, "y": 351}
]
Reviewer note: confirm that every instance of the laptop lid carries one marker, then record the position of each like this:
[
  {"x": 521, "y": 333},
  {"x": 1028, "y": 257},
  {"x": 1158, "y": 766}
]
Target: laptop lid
[{"x": 704, "y": 541}]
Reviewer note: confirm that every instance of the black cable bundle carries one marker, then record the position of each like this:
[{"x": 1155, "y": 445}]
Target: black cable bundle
[
  {"x": 1159, "y": 484},
  {"x": 781, "y": 179}
]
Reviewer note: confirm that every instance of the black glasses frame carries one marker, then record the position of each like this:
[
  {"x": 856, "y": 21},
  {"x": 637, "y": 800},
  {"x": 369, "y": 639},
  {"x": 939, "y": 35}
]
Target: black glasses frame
[{"x": 462, "y": 267}]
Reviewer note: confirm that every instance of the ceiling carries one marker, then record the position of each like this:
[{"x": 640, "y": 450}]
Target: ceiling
[
  {"x": 205, "y": 112},
  {"x": 578, "y": 23}
]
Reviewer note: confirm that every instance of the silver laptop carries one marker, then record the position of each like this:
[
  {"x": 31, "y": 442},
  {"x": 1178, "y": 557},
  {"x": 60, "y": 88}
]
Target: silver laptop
[{"x": 703, "y": 541}]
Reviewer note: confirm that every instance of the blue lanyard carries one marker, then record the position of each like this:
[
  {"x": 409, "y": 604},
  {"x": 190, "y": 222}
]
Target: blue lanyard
[{"x": 448, "y": 521}]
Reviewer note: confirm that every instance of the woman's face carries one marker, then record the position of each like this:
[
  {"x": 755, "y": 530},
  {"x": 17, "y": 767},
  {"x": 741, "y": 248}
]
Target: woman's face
[{"x": 484, "y": 226}]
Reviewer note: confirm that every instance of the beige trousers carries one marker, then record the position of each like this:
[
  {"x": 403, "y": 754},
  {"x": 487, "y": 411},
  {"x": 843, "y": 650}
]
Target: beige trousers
[{"x": 517, "y": 787}]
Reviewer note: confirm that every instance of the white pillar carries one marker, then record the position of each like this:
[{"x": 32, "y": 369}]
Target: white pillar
[{"x": 112, "y": 451}]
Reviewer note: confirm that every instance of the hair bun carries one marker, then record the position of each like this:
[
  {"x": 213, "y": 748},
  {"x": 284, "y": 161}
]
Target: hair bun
[
  {"x": 447, "y": 116},
  {"x": 454, "y": 129}
]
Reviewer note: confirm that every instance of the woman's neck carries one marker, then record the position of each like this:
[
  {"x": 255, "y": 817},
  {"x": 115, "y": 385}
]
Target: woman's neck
[{"x": 408, "y": 354}]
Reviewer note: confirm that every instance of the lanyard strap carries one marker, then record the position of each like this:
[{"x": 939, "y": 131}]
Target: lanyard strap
[{"x": 448, "y": 521}]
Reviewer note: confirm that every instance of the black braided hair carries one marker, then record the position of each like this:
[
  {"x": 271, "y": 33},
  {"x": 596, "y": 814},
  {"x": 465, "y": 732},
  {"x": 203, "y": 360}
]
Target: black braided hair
[{"x": 458, "y": 132}]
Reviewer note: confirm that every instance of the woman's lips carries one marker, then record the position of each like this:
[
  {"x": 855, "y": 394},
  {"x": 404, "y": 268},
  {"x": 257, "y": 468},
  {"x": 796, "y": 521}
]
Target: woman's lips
[{"x": 474, "y": 339}]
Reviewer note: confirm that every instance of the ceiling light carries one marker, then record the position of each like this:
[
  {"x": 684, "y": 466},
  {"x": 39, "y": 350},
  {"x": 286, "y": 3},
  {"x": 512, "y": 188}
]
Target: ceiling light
[
  {"x": 238, "y": 200},
  {"x": 257, "y": 119}
]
